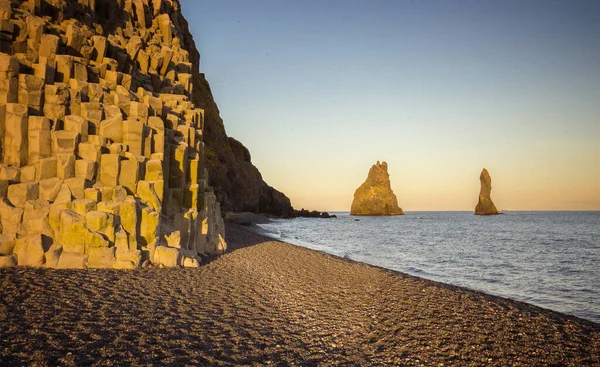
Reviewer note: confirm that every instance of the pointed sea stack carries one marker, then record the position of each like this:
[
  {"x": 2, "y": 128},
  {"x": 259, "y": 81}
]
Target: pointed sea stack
[
  {"x": 375, "y": 196},
  {"x": 485, "y": 206}
]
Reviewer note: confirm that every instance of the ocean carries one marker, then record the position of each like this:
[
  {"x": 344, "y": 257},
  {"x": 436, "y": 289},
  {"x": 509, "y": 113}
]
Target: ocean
[{"x": 549, "y": 259}]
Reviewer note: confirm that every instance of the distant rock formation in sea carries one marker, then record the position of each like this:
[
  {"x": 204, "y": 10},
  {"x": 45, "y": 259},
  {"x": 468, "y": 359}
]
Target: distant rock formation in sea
[
  {"x": 485, "y": 206},
  {"x": 375, "y": 196}
]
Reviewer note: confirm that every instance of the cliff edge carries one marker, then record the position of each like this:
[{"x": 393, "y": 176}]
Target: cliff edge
[
  {"x": 485, "y": 206},
  {"x": 237, "y": 183},
  {"x": 375, "y": 195}
]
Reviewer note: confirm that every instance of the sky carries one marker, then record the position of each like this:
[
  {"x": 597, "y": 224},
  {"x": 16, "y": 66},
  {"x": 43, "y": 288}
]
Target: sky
[{"x": 318, "y": 91}]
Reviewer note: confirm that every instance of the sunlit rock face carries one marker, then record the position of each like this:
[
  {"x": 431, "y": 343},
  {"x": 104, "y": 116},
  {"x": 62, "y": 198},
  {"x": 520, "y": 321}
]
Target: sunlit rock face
[
  {"x": 485, "y": 206},
  {"x": 375, "y": 196},
  {"x": 102, "y": 153}
]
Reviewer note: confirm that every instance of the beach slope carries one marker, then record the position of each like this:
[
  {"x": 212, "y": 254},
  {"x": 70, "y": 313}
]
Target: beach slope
[{"x": 268, "y": 301}]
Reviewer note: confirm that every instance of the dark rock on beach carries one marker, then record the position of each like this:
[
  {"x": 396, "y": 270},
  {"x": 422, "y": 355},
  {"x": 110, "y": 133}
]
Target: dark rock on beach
[{"x": 312, "y": 214}]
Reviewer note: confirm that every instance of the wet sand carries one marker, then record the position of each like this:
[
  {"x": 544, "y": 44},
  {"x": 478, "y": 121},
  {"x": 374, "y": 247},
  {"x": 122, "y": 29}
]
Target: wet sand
[{"x": 268, "y": 302}]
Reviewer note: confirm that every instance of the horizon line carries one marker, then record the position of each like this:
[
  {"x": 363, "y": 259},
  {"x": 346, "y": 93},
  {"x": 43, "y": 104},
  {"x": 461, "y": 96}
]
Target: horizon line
[{"x": 500, "y": 210}]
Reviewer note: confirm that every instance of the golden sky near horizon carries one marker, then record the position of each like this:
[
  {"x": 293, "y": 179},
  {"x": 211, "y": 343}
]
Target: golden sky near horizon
[{"x": 550, "y": 179}]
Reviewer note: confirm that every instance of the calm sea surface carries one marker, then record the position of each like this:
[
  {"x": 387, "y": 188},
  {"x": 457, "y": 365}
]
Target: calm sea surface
[{"x": 550, "y": 259}]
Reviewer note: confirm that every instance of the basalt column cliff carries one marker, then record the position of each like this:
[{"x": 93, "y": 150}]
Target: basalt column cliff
[{"x": 102, "y": 147}]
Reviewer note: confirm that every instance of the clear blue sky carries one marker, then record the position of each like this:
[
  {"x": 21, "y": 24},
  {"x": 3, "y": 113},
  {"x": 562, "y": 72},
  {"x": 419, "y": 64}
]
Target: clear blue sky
[{"x": 320, "y": 90}]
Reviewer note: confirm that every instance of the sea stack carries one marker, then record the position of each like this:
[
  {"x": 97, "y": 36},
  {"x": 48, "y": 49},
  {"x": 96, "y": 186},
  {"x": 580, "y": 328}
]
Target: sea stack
[
  {"x": 485, "y": 206},
  {"x": 375, "y": 196}
]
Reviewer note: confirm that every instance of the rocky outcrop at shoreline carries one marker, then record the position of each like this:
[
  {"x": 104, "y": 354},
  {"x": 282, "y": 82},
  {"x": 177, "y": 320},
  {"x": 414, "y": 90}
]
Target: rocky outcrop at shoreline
[
  {"x": 303, "y": 213},
  {"x": 103, "y": 160},
  {"x": 375, "y": 195},
  {"x": 485, "y": 206}
]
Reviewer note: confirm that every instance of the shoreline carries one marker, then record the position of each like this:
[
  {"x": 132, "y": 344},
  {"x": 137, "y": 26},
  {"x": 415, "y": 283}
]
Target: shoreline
[
  {"x": 554, "y": 297},
  {"x": 268, "y": 301},
  {"x": 259, "y": 232}
]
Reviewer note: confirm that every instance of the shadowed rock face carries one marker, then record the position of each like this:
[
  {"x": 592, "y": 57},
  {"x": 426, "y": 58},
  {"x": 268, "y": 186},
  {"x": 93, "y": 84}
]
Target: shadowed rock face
[
  {"x": 375, "y": 196},
  {"x": 238, "y": 184},
  {"x": 485, "y": 206}
]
